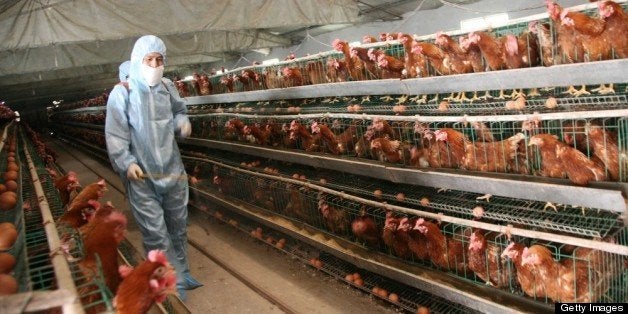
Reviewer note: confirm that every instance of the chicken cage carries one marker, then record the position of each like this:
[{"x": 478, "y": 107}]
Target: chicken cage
[
  {"x": 48, "y": 271},
  {"x": 572, "y": 220},
  {"x": 321, "y": 68},
  {"x": 479, "y": 143},
  {"x": 407, "y": 297},
  {"x": 534, "y": 37},
  {"x": 14, "y": 216},
  {"x": 490, "y": 102},
  {"x": 91, "y": 288},
  {"x": 308, "y": 199}
]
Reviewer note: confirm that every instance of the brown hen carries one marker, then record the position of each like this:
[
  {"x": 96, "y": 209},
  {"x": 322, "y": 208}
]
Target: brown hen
[
  {"x": 486, "y": 262},
  {"x": 616, "y": 27},
  {"x": 446, "y": 252}
]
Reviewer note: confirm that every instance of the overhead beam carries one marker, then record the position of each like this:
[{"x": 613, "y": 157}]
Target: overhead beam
[{"x": 373, "y": 8}]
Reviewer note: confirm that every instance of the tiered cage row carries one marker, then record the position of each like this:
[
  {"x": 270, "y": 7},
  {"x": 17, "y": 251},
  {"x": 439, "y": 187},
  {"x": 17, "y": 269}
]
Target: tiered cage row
[
  {"x": 536, "y": 34},
  {"x": 12, "y": 231},
  {"x": 352, "y": 135},
  {"x": 445, "y": 150},
  {"x": 385, "y": 148},
  {"x": 49, "y": 275},
  {"x": 91, "y": 293},
  {"x": 406, "y": 297},
  {"x": 304, "y": 200}
]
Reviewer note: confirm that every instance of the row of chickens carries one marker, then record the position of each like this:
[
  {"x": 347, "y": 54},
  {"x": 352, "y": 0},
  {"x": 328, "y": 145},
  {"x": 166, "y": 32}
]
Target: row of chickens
[
  {"x": 45, "y": 153},
  {"x": 98, "y": 101},
  {"x": 587, "y": 152},
  {"x": 578, "y": 38},
  {"x": 101, "y": 228},
  {"x": 6, "y": 114},
  {"x": 583, "y": 275},
  {"x": 579, "y": 274}
]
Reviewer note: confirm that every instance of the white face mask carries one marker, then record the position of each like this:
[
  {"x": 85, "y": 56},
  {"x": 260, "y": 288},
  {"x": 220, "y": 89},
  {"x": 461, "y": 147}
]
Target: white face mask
[{"x": 152, "y": 75}]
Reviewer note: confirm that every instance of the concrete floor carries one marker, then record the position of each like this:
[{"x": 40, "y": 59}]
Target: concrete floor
[{"x": 299, "y": 287}]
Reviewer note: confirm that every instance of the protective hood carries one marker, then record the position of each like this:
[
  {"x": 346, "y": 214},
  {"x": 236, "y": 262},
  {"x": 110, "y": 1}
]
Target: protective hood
[
  {"x": 123, "y": 71},
  {"x": 143, "y": 46}
]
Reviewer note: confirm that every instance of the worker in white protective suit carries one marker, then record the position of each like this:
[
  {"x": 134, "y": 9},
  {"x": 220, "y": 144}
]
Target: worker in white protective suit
[{"x": 140, "y": 129}]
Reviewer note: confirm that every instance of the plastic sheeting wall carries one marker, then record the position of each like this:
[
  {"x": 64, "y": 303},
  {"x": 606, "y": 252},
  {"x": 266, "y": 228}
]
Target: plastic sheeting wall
[{"x": 445, "y": 18}]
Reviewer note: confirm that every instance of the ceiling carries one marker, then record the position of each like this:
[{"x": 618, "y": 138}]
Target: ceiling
[{"x": 71, "y": 49}]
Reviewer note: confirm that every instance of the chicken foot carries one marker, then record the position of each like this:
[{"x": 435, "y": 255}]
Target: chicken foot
[
  {"x": 434, "y": 100},
  {"x": 603, "y": 89},
  {"x": 550, "y": 205},
  {"x": 516, "y": 94},
  {"x": 452, "y": 97},
  {"x": 534, "y": 93},
  {"x": 571, "y": 90},
  {"x": 577, "y": 92},
  {"x": 402, "y": 99},
  {"x": 486, "y": 96},
  {"x": 486, "y": 197},
  {"x": 475, "y": 97},
  {"x": 419, "y": 99},
  {"x": 462, "y": 97},
  {"x": 501, "y": 95}
]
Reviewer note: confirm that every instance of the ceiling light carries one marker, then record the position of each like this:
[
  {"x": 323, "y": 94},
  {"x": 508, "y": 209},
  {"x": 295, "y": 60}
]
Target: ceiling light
[
  {"x": 490, "y": 21},
  {"x": 333, "y": 27},
  {"x": 264, "y": 51},
  {"x": 270, "y": 61}
]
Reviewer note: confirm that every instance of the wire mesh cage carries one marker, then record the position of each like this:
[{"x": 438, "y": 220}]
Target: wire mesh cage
[
  {"x": 95, "y": 117},
  {"x": 469, "y": 102},
  {"x": 536, "y": 215},
  {"x": 406, "y": 297},
  {"x": 523, "y": 43},
  {"x": 39, "y": 272},
  {"x": 12, "y": 219},
  {"x": 409, "y": 299},
  {"x": 443, "y": 246},
  {"x": 354, "y": 64},
  {"x": 501, "y": 145}
]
